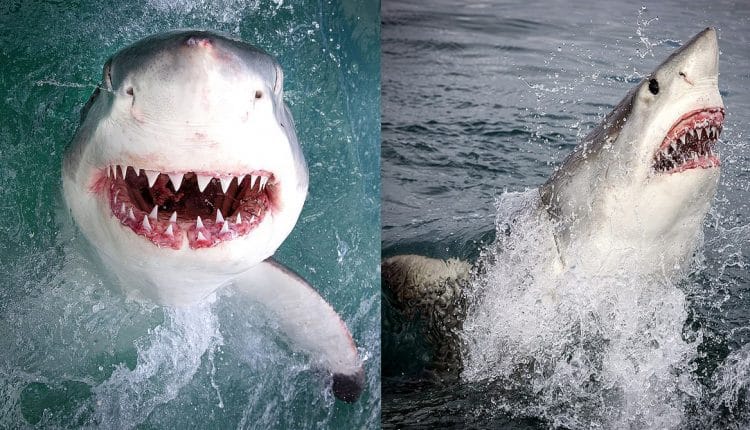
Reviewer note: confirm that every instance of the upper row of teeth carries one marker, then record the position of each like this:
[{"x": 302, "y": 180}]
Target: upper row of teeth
[
  {"x": 118, "y": 171},
  {"x": 710, "y": 132}
]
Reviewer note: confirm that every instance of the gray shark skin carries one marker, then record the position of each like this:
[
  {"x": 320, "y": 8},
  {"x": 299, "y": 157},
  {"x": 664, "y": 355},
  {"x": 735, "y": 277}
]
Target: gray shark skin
[
  {"x": 637, "y": 187},
  {"x": 186, "y": 175}
]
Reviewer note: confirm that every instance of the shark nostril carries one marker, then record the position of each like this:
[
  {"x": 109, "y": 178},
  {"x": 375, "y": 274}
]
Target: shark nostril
[
  {"x": 129, "y": 91},
  {"x": 258, "y": 95}
]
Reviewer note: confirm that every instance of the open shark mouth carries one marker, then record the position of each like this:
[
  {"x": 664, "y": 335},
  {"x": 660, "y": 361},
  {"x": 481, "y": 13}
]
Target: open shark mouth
[
  {"x": 166, "y": 208},
  {"x": 691, "y": 142}
]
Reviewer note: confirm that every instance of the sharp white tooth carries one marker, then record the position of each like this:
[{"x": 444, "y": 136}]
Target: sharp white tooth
[
  {"x": 169, "y": 230},
  {"x": 173, "y": 218},
  {"x": 682, "y": 139},
  {"x": 225, "y": 183},
  {"x": 252, "y": 218},
  {"x": 203, "y": 181},
  {"x": 130, "y": 214},
  {"x": 239, "y": 218},
  {"x": 154, "y": 212},
  {"x": 219, "y": 217},
  {"x": 225, "y": 227},
  {"x": 120, "y": 171},
  {"x": 198, "y": 222},
  {"x": 692, "y": 132},
  {"x": 122, "y": 208},
  {"x": 151, "y": 175},
  {"x": 176, "y": 179},
  {"x": 701, "y": 133},
  {"x": 107, "y": 172},
  {"x": 146, "y": 224},
  {"x": 201, "y": 236},
  {"x": 715, "y": 132},
  {"x": 263, "y": 180},
  {"x": 117, "y": 193},
  {"x": 252, "y": 181}
]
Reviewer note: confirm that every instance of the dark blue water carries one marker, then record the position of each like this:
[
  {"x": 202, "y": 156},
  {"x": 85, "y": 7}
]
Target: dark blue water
[
  {"x": 481, "y": 100},
  {"x": 73, "y": 352}
]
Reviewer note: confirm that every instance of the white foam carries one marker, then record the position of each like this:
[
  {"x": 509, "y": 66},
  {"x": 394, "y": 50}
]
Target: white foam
[
  {"x": 586, "y": 349},
  {"x": 168, "y": 358}
]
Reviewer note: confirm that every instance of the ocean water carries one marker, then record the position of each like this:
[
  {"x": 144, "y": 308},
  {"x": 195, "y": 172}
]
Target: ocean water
[
  {"x": 481, "y": 100},
  {"x": 73, "y": 351}
]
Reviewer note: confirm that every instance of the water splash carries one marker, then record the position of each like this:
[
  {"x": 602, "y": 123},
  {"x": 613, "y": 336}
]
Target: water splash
[
  {"x": 168, "y": 358},
  {"x": 641, "y": 24},
  {"x": 56, "y": 83},
  {"x": 579, "y": 350}
]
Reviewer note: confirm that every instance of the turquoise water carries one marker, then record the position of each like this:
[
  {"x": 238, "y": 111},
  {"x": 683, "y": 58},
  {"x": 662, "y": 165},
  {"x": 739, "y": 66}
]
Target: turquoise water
[
  {"x": 481, "y": 100},
  {"x": 73, "y": 351}
]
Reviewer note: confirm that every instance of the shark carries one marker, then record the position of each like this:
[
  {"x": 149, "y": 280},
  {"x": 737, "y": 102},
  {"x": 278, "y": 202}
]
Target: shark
[
  {"x": 185, "y": 175},
  {"x": 636, "y": 188}
]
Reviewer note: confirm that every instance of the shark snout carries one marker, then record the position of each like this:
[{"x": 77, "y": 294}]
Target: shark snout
[{"x": 698, "y": 59}]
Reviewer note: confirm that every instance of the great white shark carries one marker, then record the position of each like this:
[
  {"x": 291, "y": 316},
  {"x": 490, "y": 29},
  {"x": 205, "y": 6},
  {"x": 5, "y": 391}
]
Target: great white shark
[
  {"x": 186, "y": 175},
  {"x": 635, "y": 189}
]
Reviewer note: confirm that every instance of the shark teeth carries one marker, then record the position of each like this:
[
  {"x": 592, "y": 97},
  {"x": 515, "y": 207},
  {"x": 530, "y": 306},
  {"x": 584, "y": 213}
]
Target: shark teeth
[
  {"x": 203, "y": 181},
  {"x": 690, "y": 143},
  {"x": 151, "y": 176},
  {"x": 225, "y": 183},
  {"x": 258, "y": 179},
  {"x": 205, "y": 209},
  {"x": 176, "y": 180}
]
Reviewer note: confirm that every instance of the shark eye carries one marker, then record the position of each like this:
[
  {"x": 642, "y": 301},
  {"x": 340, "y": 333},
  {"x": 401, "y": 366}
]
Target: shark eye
[
  {"x": 653, "y": 86},
  {"x": 258, "y": 95}
]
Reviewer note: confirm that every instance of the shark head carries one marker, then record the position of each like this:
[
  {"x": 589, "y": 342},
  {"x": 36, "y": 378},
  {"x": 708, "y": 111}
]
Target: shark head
[
  {"x": 644, "y": 179},
  {"x": 186, "y": 165}
]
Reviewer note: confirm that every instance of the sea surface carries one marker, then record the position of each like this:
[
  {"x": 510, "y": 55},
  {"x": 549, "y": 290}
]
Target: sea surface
[
  {"x": 74, "y": 353},
  {"x": 481, "y": 100}
]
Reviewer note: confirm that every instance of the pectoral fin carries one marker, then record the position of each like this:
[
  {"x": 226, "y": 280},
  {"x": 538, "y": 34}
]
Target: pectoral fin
[{"x": 309, "y": 321}]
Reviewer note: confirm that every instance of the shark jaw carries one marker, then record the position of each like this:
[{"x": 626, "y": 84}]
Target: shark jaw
[
  {"x": 691, "y": 142},
  {"x": 203, "y": 209}
]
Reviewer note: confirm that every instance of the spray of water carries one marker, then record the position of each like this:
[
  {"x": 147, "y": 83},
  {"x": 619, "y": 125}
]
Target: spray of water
[
  {"x": 168, "y": 357},
  {"x": 580, "y": 350}
]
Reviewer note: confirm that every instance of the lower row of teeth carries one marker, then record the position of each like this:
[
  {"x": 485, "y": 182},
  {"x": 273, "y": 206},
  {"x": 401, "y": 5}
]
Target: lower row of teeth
[
  {"x": 672, "y": 163},
  {"x": 169, "y": 231}
]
